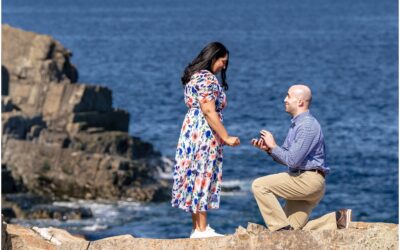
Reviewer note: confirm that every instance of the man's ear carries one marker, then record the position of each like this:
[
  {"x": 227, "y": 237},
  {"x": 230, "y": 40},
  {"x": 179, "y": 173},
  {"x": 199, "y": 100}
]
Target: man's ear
[{"x": 301, "y": 103}]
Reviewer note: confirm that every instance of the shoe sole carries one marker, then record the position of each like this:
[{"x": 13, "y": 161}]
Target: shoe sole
[
  {"x": 348, "y": 218},
  {"x": 206, "y": 237}
]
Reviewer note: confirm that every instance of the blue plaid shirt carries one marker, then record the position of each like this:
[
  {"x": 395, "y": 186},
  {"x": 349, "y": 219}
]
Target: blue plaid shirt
[{"x": 304, "y": 147}]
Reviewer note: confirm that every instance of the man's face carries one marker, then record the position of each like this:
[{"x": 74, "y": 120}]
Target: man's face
[{"x": 291, "y": 102}]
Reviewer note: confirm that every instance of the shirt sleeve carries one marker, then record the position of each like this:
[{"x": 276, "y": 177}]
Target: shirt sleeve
[
  {"x": 301, "y": 147},
  {"x": 205, "y": 86}
]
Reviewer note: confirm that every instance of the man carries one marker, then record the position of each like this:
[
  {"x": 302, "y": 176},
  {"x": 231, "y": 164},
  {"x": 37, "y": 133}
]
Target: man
[{"x": 303, "y": 185}]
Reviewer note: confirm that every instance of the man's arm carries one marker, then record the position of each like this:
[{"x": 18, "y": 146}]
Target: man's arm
[
  {"x": 294, "y": 155},
  {"x": 277, "y": 159},
  {"x": 298, "y": 150}
]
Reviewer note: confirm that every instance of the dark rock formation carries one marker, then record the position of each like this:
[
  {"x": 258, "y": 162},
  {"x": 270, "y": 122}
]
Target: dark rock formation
[
  {"x": 9, "y": 184},
  {"x": 20, "y": 126},
  {"x": 62, "y": 139},
  {"x": 5, "y": 80},
  {"x": 58, "y": 172},
  {"x": 3, "y": 232},
  {"x": 28, "y": 206}
]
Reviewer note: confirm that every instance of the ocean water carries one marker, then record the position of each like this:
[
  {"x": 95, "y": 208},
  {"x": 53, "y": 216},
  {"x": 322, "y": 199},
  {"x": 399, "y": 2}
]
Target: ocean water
[{"x": 346, "y": 51}]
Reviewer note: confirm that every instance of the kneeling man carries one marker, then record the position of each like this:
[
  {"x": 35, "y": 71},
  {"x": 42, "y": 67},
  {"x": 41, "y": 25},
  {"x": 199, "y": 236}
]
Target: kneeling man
[{"x": 303, "y": 185}]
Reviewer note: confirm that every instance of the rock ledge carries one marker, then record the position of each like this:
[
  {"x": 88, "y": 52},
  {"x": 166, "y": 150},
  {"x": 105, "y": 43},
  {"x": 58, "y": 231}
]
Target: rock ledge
[{"x": 360, "y": 235}]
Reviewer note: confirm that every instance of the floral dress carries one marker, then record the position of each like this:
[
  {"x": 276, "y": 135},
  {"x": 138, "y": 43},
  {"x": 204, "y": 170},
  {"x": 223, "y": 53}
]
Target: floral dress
[{"x": 198, "y": 168}]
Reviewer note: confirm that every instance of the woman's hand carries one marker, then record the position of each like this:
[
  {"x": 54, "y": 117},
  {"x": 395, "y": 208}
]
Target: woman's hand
[{"x": 232, "y": 141}]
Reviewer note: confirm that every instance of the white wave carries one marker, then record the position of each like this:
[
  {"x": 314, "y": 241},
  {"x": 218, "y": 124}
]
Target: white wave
[
  {"x": 244, "y": 185},
  {"x": 128, "y": 203},
  {"x": 165, "y": 170},
  {"x": 242, "y": 193},
  {"x": 94, "y": 227},
  {"x": 232, "y": 183},
  {"x": 238, "y": 187},
  {"x": 105, "y": 212}
]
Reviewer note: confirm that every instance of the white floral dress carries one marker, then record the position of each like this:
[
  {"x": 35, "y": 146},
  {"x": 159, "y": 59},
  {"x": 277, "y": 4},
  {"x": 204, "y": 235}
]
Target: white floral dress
[{"x": 198, "y": 161}]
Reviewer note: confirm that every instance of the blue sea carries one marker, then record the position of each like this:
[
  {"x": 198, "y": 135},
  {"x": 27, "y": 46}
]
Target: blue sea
[{"x": 346, "y": 51}]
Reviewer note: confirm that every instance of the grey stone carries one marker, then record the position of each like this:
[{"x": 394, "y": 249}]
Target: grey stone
[
  {"x": 54, "y": 138},
  {"x": 253, "y": 228},
  {"x": 33, "y": 58}
]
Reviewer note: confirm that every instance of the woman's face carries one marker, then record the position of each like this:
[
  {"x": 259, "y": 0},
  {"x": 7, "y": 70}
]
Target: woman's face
[{"x": 219, "y": 64}]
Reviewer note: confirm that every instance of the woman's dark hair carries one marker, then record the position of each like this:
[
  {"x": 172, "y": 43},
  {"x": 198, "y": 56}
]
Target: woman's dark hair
[{"x": 204, "y": 60}]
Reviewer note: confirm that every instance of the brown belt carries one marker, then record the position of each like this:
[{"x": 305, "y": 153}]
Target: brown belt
[{"x": 312, "y": 170}]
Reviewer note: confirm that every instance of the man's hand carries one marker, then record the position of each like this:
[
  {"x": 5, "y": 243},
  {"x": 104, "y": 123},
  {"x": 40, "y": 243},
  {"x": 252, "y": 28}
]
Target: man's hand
[
  {"x": 268, "y": 139},
  {"x": 259, "y": 143}
]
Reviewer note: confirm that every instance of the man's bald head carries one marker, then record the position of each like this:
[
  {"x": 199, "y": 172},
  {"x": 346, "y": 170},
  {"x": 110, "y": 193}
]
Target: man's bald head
[
  {"x": 302, "y": 92},
  {"x": 298, "y": 99}
]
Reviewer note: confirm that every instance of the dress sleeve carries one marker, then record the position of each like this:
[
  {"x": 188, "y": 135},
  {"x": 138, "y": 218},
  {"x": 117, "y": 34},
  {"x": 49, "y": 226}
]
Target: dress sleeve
[{"x": 206, "y": 87}]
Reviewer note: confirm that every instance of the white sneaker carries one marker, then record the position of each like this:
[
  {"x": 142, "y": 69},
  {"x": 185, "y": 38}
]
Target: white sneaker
[
  {"x": 209, "y": 232},
  {"x": 196, "y": 234},
  {"x": 212, "y": 231}
]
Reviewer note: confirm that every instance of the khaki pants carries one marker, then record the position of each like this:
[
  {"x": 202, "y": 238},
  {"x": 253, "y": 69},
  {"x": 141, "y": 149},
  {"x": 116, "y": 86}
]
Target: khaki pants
[{"x": 302, "y": 192}]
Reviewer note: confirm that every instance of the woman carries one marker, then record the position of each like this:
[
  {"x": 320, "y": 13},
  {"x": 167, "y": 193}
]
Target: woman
[{"x": 198, "y": 169}]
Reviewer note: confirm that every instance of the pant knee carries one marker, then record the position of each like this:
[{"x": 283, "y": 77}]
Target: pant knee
[{"x": 256, "y": 185}]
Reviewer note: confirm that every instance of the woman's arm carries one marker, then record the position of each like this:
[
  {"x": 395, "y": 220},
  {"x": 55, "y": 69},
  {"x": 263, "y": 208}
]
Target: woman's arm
[{"x": 212, "y": 118}]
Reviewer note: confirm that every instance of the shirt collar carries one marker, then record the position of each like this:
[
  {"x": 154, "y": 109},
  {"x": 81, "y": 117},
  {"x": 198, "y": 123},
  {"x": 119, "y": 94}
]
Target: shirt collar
[{"x": 300, "y": 116}]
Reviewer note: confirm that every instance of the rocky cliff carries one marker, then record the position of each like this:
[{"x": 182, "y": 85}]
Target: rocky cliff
[
  {"x": 359, "y": 236},
  {"x": 63, "y": 139}
]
